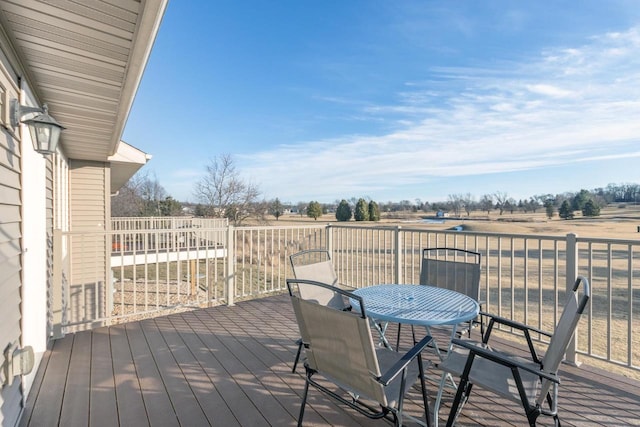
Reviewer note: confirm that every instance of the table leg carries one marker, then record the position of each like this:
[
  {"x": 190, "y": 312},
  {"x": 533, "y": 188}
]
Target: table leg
[{"x": 382, "y": 329}]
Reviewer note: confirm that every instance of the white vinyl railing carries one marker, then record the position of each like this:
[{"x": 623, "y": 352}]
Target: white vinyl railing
[{"x": 128, "y": 273}]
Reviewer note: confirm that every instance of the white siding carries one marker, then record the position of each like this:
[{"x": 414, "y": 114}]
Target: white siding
[
  {"x": 10, "y": 244},
  {"x": 89, "y": 204}
]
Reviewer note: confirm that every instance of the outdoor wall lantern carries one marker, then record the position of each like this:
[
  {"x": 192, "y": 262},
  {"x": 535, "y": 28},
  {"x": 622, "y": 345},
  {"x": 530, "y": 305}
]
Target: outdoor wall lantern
[{"x": 44, "y": 129}]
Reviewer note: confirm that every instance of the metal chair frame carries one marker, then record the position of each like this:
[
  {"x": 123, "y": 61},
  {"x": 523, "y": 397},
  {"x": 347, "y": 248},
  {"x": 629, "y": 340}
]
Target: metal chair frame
[
  {"x": 320, "y": 351},
  {"x": 545, "y": 369}
]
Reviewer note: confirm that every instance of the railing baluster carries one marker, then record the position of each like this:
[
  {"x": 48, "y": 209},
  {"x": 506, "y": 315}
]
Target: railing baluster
[{"x": 241, "y": 262}]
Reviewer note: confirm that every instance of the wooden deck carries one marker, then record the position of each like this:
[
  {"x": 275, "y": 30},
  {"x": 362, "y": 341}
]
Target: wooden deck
[{"x": 229, "y": 366}]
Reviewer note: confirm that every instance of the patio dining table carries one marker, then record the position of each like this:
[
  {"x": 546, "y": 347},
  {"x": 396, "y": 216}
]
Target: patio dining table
[{"x": 417, "y": 305}]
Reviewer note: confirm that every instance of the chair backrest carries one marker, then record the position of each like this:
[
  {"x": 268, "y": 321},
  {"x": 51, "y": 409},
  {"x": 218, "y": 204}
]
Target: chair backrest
[
  {"x": 316, "y": 265},
  {"x": 340, "y": 345},
  {"x": 565, "y": 329},
  {"x": 451, "y": 268}
]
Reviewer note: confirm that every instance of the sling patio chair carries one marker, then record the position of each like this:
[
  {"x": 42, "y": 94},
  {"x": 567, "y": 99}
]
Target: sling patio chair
[
  {"x": 339, "y": 346},
  {"x": 316, "y": 265},
  {"x": 529, "y": 381},
  {"x": 454, "y": 269}
]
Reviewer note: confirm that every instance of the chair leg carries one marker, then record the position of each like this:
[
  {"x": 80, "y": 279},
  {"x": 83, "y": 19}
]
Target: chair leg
[
  {"x": 304, "y": 401},
  {"x": 436, "y": 406},
  {"x": 464, "y": 389},
  {"x": 295, "y": 362},
  {"x": 423, "y": 384}
]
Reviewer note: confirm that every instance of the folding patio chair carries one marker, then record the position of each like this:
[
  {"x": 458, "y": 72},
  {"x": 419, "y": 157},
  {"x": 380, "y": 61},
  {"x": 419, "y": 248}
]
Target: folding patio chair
[
  {"x": 530, "y": 381},
  {"x": 316, "y": 265},
  {"x": 369, "y": 379},
  {"x": 454, "y": 269}
]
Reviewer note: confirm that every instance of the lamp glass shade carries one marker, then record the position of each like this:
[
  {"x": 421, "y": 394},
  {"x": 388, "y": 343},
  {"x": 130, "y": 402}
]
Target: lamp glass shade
[{"x": 45, "y": 133}]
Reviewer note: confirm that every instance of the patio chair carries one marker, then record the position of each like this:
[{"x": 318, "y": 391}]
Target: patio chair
[
  {"x": 530, "y": 381},
  {"x": 316, "y": 265},
  {"x": 454, "y": 269},
  {"x": 369, "y": 379}
]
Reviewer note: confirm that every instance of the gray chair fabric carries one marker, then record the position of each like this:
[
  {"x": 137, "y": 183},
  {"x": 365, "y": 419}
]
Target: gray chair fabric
[
  {"x": 531, "y": 381},
  {"x": 454, "y": 269},
  {"x": 339, "y": 346},
  {"x": 316, "y": 265}
]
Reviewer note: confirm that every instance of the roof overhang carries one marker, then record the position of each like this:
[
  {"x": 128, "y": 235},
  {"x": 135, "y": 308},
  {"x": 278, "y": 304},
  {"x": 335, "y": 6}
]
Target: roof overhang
[
  {"x": 125, "y": 163},
  {"x": 85, "y": 60}
]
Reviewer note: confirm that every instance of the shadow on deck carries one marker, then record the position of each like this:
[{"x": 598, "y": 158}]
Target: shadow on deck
[{"x": 232, "y": 366}]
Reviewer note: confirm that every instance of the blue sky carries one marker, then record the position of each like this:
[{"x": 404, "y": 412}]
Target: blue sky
[{"x": 394, "y": 100}]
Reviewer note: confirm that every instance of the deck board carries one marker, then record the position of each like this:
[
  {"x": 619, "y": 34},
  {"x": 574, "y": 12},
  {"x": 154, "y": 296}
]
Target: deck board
[
  {"x": 75, "y": 403},
  {"x": 103, "y": 405},
  {"x": 47, "y": 411},
  {"x": 159, "y": 408},
  {"x": 128, "y": 393},
  {"x": 231, "y": 366}
]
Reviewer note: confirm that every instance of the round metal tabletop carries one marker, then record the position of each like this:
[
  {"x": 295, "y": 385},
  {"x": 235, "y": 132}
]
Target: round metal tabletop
[{"x": 417, "y": 304}]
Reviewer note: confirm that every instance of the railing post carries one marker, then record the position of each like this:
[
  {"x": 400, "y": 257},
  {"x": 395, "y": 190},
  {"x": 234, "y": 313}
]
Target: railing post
[
  {"x": 398, "y": 255},
  {"x": 329, "y": 239},
  {"x": 572, "y": 273},
  {"x": 57, "y": 303},
  {"x": 231, "y": 266}
]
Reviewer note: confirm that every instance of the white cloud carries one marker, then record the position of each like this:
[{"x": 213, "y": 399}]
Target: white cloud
[
  {"x": 549, "y": 90},
  {"x": 564, "y": 107}
]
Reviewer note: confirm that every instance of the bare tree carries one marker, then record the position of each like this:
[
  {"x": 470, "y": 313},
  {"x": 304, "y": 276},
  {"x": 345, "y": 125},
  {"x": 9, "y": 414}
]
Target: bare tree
[
  {"x": 486, "y": 203},
  {"x": 224, "y": 191},
  {"x": 501, "y": 200},
  {"x": 152, "y": 194},
  {"x": 455, "y": 203},
  {"x": 140, "y": 196},
  {"x": 468, "y": 203}
]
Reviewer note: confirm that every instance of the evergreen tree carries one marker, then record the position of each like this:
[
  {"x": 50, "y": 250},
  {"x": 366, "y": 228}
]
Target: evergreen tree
[
  {"x": 343, "y": 212},
  {"x": 374, "y": 211},
  {"x": 170, "y": 207},
  {"x": 314, "y": 210},
  {"x": 565, "y": 211},
  {"x": 362, "y": 212},
  {"x": 591, "y": 208},
  {"x": 276, "y": 209},
  {"x": 580, "y": 199},
  {"x": 548, "y": 205}
]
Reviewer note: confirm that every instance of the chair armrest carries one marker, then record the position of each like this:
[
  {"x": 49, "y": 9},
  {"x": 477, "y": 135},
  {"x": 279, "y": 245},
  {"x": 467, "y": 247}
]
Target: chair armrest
[
  {"x": 482, "y": 350},
  {"x": 401, "y": 364},
  {"x": 514, "y": 324}
]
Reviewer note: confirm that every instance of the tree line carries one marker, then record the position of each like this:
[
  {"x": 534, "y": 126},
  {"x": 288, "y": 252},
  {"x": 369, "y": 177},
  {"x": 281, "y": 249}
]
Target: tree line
[{"x": 223, "y": 193}]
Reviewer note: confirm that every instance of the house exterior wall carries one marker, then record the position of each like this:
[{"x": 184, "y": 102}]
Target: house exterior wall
[
  {"x": 11, "y": 247},
  {"x": 37, "y": 255},
  {"x": 89, "y": 210},
  {"x": 26, "y": 237}
]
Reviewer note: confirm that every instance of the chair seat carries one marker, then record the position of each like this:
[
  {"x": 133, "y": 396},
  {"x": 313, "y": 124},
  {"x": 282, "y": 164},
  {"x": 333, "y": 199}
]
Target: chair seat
[
  {"x": 386, "y": 359},
  {"x": 492, "y": 376}
]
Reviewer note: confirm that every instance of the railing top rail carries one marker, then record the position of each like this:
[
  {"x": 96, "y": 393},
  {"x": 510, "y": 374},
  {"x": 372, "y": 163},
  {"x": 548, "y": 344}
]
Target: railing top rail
[
  {"x": 279, "y": 227},
  {"x": 607, "y": 240},
  {"x": 145, "y": 231}
]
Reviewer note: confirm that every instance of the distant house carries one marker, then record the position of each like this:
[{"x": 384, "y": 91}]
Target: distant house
[
  {"x": 442, "y": 214},
  {"x": 85, "y": 61}
]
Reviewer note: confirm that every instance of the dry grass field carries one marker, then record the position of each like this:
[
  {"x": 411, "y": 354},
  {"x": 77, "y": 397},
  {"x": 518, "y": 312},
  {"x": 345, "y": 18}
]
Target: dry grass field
[
  {"x": 620, "y": 221},
  {"x": 262, "y": 264},
  {"x": 615, "y": 222}
]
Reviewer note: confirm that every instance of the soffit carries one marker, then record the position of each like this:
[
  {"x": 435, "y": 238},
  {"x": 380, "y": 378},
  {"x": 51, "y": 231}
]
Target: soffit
[
  {"x": 125, "y": 163},
  {"x": 84, "y": 58}
]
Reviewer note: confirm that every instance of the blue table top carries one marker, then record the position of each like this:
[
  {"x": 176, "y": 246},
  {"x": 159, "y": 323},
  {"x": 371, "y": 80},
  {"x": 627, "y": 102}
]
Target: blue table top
[{"x": 417, "y": 304}]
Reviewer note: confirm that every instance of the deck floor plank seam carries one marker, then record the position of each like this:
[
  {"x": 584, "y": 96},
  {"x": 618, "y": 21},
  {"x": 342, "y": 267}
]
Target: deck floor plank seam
[{"x": 131, "y": 409}]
